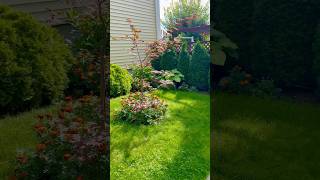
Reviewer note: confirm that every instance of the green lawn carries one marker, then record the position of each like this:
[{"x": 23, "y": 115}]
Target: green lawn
[
  {"x": 16, "y": 132},
  {"x": 178, "y": 148},
  {"x": 265, "y": 139}
]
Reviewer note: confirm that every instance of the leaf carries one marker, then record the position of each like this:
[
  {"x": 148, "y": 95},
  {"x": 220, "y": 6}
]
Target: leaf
[{"x": 218, "y": 57}]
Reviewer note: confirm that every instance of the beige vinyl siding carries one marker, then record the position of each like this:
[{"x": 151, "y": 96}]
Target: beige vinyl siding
[
  {"x": 143, "y": 15},
  {"x": 41, "y": 8}
]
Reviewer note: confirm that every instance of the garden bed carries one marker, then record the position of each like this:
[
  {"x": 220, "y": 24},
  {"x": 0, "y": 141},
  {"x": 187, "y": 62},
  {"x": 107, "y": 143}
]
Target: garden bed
[{"x": 177, "y": 148}]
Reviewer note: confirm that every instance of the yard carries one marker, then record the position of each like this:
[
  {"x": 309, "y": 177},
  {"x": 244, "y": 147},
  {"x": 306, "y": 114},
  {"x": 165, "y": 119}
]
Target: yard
[
  {"x": 177, "y": 148},
  {"x": 254, "y": 139},
  {"x": 265, "y": 139}
]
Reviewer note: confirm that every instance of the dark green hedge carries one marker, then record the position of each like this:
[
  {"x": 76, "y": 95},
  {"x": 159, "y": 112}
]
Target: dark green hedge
[
  {"x": 184, "y": 62},
  {"x": 274, "y": 37},
  {"x": 199, "y": 67},
  {"x": 34, "y": 61},
  {"x": 169, "y": 59}
]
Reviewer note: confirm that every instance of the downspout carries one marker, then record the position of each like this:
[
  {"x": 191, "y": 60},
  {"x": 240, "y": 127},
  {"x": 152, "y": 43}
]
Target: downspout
[{"x": 158, "y": 21}]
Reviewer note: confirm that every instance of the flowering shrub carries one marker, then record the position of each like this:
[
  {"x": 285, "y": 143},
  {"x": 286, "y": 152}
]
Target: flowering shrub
[
  {"x": 72, "y": 145},
  {"x": 147, "y": 109},
  {"x": 237, "y": 82},
  {"x": 137, "y": 73},
  {"x": 241, "y": 82}
]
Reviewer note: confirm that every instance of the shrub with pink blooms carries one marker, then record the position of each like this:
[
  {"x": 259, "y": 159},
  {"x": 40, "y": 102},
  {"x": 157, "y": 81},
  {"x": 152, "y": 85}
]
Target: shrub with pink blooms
[{"x": 147, "y": 109}]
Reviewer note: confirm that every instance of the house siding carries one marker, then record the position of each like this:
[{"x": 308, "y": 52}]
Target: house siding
[
  {"x": 143, "y": 15},
  {"x": 40, "y": 9}
]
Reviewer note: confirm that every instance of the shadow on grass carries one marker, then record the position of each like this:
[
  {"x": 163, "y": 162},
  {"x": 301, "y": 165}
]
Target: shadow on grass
[
  {"x": 186, "y": 125},
  {"x": 265, "y": 139}
]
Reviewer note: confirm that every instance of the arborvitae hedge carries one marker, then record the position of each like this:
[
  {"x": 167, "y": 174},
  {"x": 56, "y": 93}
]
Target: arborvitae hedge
[
  {"x": 34, "y": 61},
  {"x": 169, "y": 60},
  {"x": 156, "y": 64},
  {"x": 184, "y": 62},
  {"x": 199, "y": 67},
  {"x": 274, "y": 37}
]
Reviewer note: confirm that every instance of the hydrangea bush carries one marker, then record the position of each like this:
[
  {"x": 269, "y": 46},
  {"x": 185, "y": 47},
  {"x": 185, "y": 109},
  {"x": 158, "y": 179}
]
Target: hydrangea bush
[{"x": 148, "y": 109}]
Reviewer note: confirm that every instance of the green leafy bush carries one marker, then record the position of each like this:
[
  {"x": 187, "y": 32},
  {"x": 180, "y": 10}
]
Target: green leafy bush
[
  {"x": 241, "y": 82},
  {"x": 316, "y": 59},
  {"x": 120, "y": 81},
  {"x": 272, "y": 42},
  {"x": 156, "y": 63},
  {"x": 237, "y": 82},
  {"x": 169, "y": 59},
  {"x": 184, "y": 62},
  {"x": 141, "y": 72},
  {"x": 147, "y": 109},
  {"x": 71, "y": 144},
  {"x": 167, "y": 79},
  {"x": 265, "y": 88},
  {"x": 199, "y": 67},
  {"x": 34, "y": 61}
]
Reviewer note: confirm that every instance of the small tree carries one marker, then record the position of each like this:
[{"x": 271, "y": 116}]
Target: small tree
[
  {"x": 184, "y": 14},
  {"x": 199, "y": 67},
  {"x": 184, "y": 62}
]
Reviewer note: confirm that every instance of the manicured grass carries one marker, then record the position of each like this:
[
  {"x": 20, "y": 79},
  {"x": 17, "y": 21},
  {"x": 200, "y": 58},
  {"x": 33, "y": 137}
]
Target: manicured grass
[
  {"x": 16, "y": 133},
  {"x": 178, "y": 148},
  {"x": 265, "y": 139}
]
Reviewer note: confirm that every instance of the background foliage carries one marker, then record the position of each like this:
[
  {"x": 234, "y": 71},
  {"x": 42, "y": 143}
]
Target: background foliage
[
  {"x": 274, "y": 37},
  {"x": 33, "y": 62}
]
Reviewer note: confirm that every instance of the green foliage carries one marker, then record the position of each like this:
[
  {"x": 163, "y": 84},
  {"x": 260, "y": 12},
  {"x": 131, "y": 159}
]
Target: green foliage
[
  {"x": 275, "y": 40},
  {"x": 156, "y": 63},
  {"x": 141, "y": 72},
  {"x": 167, "y": 79},
  {"x": 265, "y": 88},
  {"x": 187, "y": 9},
  {"x": 120, "y": 81},
  {"x": 147, "y": 109},
  {"x": 34, "y": 62},
  {"x": 169, "y": 60},
  {"x": 71, "y": 144},
  {"x": 184, "y": 62},
  {"x": 199, "y": 67},
  {"x": 237, "y": 82},
  {"x": 316, "y": 59},
  {"x": 222, "y": 46},
  {"x": 241, "y": 82}
]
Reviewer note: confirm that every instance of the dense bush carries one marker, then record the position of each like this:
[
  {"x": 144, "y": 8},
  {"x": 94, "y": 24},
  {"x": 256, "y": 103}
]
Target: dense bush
[
  {"x": 274, "y": 40},
  {"x": 71, "y": 144},
  {"x": 84, "y": 75},
  {"x": 120, "y": 81},
  {"x": 167, "y": 79},
  {"x": 184, "y": 62},
  {"x": 316, "y": 59},
  {"x": 147, "y": 109},
  {"x": 156, "y": 63},
  {"x": 34, "y": 61},
  {"x": 141, "y": 72},
  {"x": 169, "y": 59},
  {"x": 199, "y": 67},
  {"x": 239, "y": 81}
]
